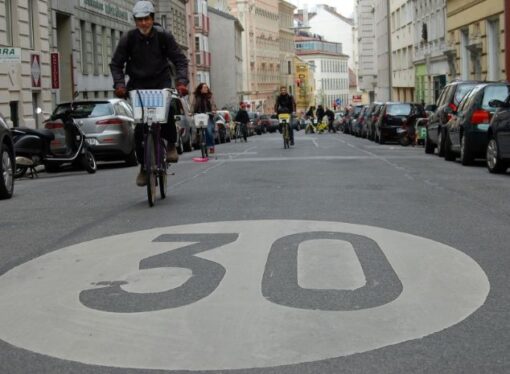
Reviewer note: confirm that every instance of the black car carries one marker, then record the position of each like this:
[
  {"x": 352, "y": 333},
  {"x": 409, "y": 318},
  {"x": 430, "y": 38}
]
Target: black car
[
  {"x": 466, "y": 134},
  {"x": 7, "y": 161},
  {"x": 498, "y": 135},
  {"x": 450, "y": 97},
  {"x": 352, "y": 115},
  {"x": 394, "y": 116}
]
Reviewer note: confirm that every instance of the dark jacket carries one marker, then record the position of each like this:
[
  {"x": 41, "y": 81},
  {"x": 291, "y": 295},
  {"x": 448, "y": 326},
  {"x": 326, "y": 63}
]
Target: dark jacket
[
  {"x": 146, "y": 61},
  {"x": 285, "y": 104},
  {"x": 242, "y": 116},
  {"x": 329, "y": 113},
  {"x": 320, "y": 113}
]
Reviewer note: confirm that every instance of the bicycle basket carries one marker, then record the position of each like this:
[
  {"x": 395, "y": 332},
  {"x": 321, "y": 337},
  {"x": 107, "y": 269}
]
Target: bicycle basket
[
  {"x": 156, "y": 100},
  {"x": 201, "y": 120}
]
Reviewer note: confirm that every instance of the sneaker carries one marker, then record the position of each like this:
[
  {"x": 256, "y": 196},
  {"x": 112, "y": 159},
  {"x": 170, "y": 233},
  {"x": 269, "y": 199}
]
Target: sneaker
[
  {"x": 141, "y": 178},
  {"x": 171, "y": 155},
  {"x": 211, "y": 150}
]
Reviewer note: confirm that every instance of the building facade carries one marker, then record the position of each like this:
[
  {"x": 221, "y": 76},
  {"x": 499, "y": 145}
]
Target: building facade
[
  {"x": 383, "y": 91},
  {"x": 287, "y": 47},
  {"x": 199, "y": 50},
  {"x": 431, "y": 64},
  {"x": 366, "y": 52},
  {"x": 331, "y": 70},
  {"x": 305, "y": 85},
  {"x": 261, "y": 51},
  {"x": 402, "y": 50},
  {"x": 25, "y": 67},
  {"x": 226, "y": 59},
  {"x": 476, "y": 39}
]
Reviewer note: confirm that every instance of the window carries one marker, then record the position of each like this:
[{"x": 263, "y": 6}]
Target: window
[
  {"x": 493, "y": 50},
  {"x": 83, "y": 51},
  {"x": 95, "y": 55},
  {"x": 8, "y": 22},
  {"x": 31, "y": 23}
]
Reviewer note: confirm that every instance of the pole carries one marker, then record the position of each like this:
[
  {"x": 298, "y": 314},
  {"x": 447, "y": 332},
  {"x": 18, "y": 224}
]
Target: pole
[{"x": 507, "y": 39}]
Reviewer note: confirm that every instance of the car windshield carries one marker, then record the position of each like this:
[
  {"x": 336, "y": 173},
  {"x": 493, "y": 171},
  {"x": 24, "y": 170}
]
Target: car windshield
[
  {"x": 462, "y": 90},
  {"x": 399, "y": 109},
  {"x": 87, "y": 110},
  {"x": 494, "y": 93}
]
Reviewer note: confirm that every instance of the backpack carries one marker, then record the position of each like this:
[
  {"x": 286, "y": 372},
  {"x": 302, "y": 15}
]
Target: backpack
[{"x": 160, "y": 32}]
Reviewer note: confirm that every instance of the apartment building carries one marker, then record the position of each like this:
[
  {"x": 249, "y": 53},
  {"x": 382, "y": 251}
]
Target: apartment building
[
  {"x": 25, "y": 67},
  {"x": 331, "y": 70},
  {"x": 226, "y": 59},
  {"x": 261, "y": 51},
  {"x": 366, "y": 56},
  {"x": 199, "y": 50},
  {"x": 402, "y": 49},
  {"x": 287, "y": 47},
  {"x": 476, "y": 39},
  {"x": 430, "y": 62},
  {"x": 383, "y": 91}
]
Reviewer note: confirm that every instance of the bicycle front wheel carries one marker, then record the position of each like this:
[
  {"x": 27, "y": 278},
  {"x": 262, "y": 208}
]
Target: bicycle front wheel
[
  {"x": 203, "y": 144},
  {"x": 150, "y": 169},
  {"x": 162, "y": 175}
]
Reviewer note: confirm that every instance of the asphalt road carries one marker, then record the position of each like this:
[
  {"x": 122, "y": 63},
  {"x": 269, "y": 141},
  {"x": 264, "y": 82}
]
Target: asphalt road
[{"x": 336, "y": 256}]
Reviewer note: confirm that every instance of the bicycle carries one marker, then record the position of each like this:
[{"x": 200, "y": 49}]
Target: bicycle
[
  {"x": 284, "y": 119},
  {"x": 151, "y": 108},
  {"x": 201, "y": 121},
  {"x": 240, "y": 132}
]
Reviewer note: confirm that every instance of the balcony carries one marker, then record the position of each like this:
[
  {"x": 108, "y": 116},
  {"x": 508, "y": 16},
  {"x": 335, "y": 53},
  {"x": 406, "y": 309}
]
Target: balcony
[
  {"x": 201, "y": 24},
  {"x": 203, "y": 59}
]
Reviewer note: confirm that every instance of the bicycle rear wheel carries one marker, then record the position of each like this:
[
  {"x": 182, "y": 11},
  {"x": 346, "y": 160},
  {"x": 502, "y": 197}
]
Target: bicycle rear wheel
[
  {"x": 286, "y": 143},
  {"x": 150, "y": 168}
]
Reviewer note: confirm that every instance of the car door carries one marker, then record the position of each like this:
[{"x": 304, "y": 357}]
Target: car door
[
  {"x": 502, "y": 129},
  {"x": 459, "y": 118},
  {"x": 435, "y": 118}
]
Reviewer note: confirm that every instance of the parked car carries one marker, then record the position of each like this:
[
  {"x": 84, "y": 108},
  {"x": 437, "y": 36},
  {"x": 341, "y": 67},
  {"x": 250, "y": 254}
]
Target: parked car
[
  {"x": 352, "y": 115},
  {"x": 450, "y": 97},
  {"x": 338, "y": 121},
  {"x": 466, "y": 133},
  {"x": 180, "y": 109},
  {"x": 252, "y": 125},
  {"x": 264, "y": 123},
  {"x": 358, "y": 126},
  {"x": 498, "y": 134},
  {"x": 372, "y": 117},
  {"x": 396, "y": 115},
  {"x": 7, "y": 160},
  {"x": 274, "y": 124},
  {"x": 108, "y": 123}
]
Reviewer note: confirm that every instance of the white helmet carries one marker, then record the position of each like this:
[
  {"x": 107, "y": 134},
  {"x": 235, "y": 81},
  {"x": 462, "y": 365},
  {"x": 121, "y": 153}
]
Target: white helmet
[{"x": 143, "y": 9}]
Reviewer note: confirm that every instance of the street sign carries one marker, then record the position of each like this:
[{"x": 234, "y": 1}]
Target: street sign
[
  {"x": 237, "y": 295},
  {"x": 55, "y": 70},
  {"x": 35, "y": 70},
  {"x": 10, "y": 55},
  {"x": 338, "y": 101}
]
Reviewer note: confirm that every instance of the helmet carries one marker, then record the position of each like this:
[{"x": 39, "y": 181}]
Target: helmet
[{"x": 143, "y": 9}]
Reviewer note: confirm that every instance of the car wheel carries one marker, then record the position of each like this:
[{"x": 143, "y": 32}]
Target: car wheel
[
  {"x": 494, "y": 163},
  {"x": 6, "y": 172},
  {"x": 131, "y": 159},
  {"x": 440, "y": 143},
  {"x": 448, "y": 153},
  {"x": 429, "y": 147},
  {"x": 466, "y": 156}
]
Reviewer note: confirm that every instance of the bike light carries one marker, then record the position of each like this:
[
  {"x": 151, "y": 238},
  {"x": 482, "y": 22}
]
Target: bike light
[
  {"x": 111, "y": 121},
  {"x": 480, "y": 116}
]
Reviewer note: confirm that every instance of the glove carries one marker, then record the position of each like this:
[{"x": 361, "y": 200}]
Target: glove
[
  {"x": 121, "y": 92},
  {"x": 181, "y": 88}
]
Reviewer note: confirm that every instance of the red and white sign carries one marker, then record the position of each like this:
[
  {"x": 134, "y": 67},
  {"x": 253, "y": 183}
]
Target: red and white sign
[
  {"x": 55, "y": 70},
  {"x": 356, "y": 98},
  {"x": 35, "y": 69}
]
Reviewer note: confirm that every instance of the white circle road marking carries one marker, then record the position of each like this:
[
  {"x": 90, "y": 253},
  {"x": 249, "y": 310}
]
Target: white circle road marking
[{"x": 235, "y": 326}]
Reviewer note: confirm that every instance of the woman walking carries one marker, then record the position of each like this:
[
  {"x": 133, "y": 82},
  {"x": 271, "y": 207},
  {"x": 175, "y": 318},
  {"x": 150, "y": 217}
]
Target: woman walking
[{"x": 203, "y": 103}]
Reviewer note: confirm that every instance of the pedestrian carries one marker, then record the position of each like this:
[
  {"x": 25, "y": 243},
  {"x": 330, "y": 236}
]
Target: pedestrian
[
  {"x": 319, "y": 113},
  {"x": 331, "y": 117},
  {"x": 131, "y": 58},
  {"x": 285, "y": 104},
  {"x": 203, "y": 102}
]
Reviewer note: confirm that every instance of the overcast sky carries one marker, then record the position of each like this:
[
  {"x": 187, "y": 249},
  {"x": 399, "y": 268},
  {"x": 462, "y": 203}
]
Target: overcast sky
[{"x": 344, "y": 7}]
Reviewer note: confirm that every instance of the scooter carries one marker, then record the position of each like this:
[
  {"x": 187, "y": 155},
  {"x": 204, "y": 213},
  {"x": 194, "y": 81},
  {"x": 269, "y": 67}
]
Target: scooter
[{"x": 33, "y": 147}]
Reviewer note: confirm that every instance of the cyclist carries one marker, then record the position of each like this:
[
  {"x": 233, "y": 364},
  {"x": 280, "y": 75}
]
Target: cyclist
[
  {"x": 243, "y": 119},
  {"x": 203, "y": 102},
  {"x": 331, "y": 117},
  {"x": 285, "y": 103},
  {"x": 144, "y": 54}
]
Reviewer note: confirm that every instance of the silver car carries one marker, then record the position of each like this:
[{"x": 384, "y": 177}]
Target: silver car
[
  {"x": 108, "y": 124},
  {"x": 180, "y": 109}
]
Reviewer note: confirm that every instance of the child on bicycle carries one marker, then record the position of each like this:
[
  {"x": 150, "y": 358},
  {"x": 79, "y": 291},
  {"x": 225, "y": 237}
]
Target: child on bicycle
[{"x": 131, "y": 58}]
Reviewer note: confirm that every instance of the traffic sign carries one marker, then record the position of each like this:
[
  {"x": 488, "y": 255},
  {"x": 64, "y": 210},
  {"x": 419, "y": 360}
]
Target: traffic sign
[{"x": 237, "y": 295}]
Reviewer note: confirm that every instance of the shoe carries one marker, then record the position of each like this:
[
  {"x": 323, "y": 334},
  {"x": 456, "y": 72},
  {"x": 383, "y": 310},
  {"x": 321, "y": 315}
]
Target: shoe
[
  {"x": 292, "y": 142},
  {"x": 211, "y": 150},
  {"x": 141, "y": 178},
  {"x": 171, "y": 155}
]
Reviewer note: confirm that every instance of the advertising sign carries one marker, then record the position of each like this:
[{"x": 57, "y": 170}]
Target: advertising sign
[
  {"x": 35, "y": 70},
  {"x": 8, "y": 54},
  {"x": 55, "y": 70}
]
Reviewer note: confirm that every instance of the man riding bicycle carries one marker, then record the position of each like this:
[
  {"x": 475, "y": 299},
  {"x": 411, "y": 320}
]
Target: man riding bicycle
[
  {"x": 285, "y": 104},
  {"x": 144, "y": 54}
]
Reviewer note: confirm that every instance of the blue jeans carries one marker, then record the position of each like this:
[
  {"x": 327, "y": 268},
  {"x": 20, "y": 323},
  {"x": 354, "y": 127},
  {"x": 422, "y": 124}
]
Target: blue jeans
[{"x": 209, "y": 133}]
